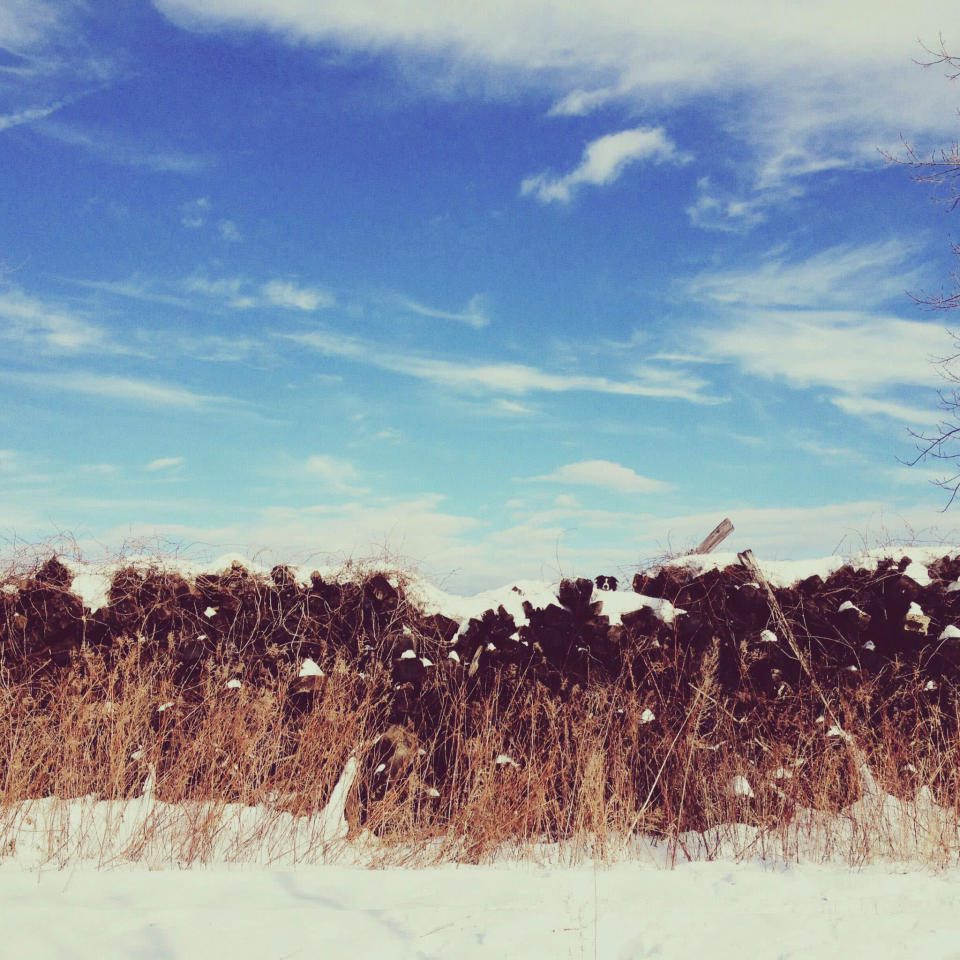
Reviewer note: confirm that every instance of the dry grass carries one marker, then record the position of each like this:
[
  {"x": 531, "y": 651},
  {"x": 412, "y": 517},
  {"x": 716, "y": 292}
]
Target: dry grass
[{"x": 477, "y": 766}]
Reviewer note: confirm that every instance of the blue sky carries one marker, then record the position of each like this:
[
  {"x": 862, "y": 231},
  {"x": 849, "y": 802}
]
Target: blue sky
[{"x": 519, "y": 289}]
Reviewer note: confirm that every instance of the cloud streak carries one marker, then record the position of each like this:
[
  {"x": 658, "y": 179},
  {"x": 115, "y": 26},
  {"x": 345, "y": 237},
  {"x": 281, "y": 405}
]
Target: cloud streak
[
  {"x": 515, "y": 379},
  {"x": 30, "y": 114},
  {"x": 819, "y": 322},
  {"x": 333, "y": 473},
  {"x": 37, "y": 324},
  {"x": 473, "y": 314},
  {"x": 126, "y": 153},
  {"x": 149, "y": 393},
  {"x": 163, "y": 463},
  {"x": 284, "y": 293},
  {"x": 603, "y": 161},
  {"x": 602, "y": 473}
]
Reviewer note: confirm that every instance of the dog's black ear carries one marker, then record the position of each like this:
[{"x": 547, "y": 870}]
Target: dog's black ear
[
  {"x": 599, "y": 581},
  {"x": 612, "y": 583}
]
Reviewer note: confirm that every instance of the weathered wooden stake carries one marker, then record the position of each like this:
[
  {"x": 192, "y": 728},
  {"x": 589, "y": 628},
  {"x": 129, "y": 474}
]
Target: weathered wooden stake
[{"x": 716, "y": 536}]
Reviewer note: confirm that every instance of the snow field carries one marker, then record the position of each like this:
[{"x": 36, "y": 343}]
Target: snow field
[
  {"x": 271, "y": 885},
  {"x": 716, "y": 910}
]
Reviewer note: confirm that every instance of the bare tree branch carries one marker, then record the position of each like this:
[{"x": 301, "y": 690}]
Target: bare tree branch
[{"x": 942, "y": 170}]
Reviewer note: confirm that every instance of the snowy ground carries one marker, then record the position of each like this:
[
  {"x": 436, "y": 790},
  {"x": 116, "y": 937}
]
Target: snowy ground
[
  {"x": 59, "y": 904},
  {"x": 783, "y": 897},
  {"x": 710, "y": 910}
]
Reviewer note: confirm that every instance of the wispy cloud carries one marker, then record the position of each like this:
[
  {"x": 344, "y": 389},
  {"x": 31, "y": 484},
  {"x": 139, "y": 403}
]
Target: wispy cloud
[
  {"x": 229, "y": 231},
  {"x": 871, "y": 406},
  {"x": 164, "y": 463},
  {"x": 25, "y": 25},
  {"x": 135, "y": 288},
  {"x": 195, "y": 213},
  {"x": 825, "y": 450},
  {"x": 847, "y": 350},
  {"x": 473, "y": 314},
  {"x": 515, "y": 379},
  {"x": 124, "y": 152},
  {"x": 30, "y": 114},
  {"x": 819, "y": 322},
  {"x": 579, "y": 103},
  {"x": 511, "y": 408},
  {"x": 236, "y": 293},
  {"x": 38, "y": 324},
  {"x": 602, "y": 473},
  {"x": 334, "y": 473},
  {"x": 603, "y": 161},
  {"x": 841, "y": 276},
  {"x": 716, "y": 209},
  {"x": 285, "y": 293},
  {"x": 124, "y": 389},
  {"x": 243, "y": 293}
]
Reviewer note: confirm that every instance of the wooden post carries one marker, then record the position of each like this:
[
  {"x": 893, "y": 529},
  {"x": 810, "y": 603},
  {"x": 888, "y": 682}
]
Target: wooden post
[{"x": 716, "y": 536}]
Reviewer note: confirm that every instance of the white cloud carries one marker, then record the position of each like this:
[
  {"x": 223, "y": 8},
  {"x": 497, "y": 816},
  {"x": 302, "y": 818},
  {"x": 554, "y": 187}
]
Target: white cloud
[
  {"x": 35, "y": 323},
  {"x": 136, "y": 288},
  {"x": 908, "y": 476},
  {"x": 24, "y": 25},
  {"x": 473, "y": 314},
  {"x": 125, "y": 152},
  {"x": 871, "y": 406},
  {"x": 604, "y": 159},
  {"x": 194, "y": 213},
  {"x": 333, "y": 473},
  {"x": 29, "y": 114},
  {"x": 511, "y": 408},
  {"x": 819, "y": 323},
  {"x": 846, "y": 350},
  {"x": 124, "y": 389},
  {"x": 234, "y": 291},
  {"x": 578, "y": 103},
  {"x": 244, "y": 293},
  {"x": 457, "y": 550},
  {"x": 283, "y": 293},
  {"x": 511, "y": 378},
  {"x": 826, "y": 451},
  {"x": 807, "y": 86},
  {"x": 164, "y": 463},
  {"x": 229, "y": 231},
  {"x": 841, "y": 276},
  {"x": 716, "y": 209},
  {"x": 602, "y": 473},
  {"x": 404, "y": 532}
]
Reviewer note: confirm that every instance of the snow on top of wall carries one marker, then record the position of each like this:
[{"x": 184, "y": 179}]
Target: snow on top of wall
[
  {"x": 91, "y": 581},
  {"x": 785, "y": 573},
  {"x": 539, "y": 593}
]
